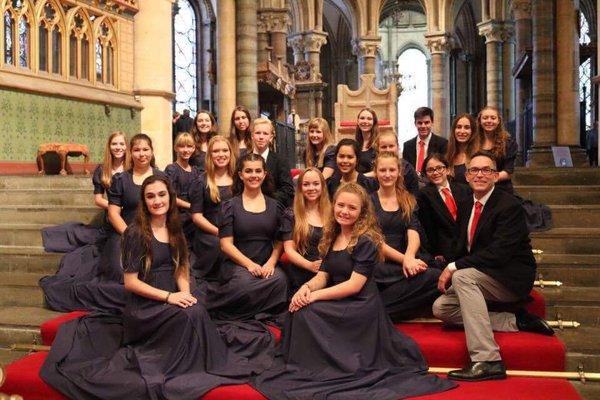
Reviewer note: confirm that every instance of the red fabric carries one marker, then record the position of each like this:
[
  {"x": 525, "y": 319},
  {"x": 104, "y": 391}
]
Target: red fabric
[
  {"x": 449, "y": 200},
  {"x": 444, "y": 347},
  {"x": 294, "y": 172},
  {"x": 420, "y": 156},
  {"x": 537, "y": 306},
  {"x": 237, "y": 392},
  {"x": 50, "y": 327},
  {"x": 276, "y": 332},
  {"x": 22, "y": 378},
  {"x": 476, "y": 214},
  {"x": 284, "y": 258},
  {"x": 381, "y": 122}
]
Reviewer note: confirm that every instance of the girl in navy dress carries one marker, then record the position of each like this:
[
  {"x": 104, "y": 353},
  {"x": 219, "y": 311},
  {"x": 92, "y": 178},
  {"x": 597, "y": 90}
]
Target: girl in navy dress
[
  {"x": 346, "y": 156},
  {"x": 181, "y": 175},
  {"x": 495, "y": 139},
  {"x": 367, "y": 131},
  {"x": 463, "y": 142},
  {"x": 239, "y": 133},
  {"x": 252, "y": 286},
  {"x": 408, "y": 287},
  {"x": 123, "y": 199},
  {"x": 204, "y": 128},
  {"x": 165, "y": 345},
  {"x": 208, "y": 192},
  {"x": 320, "y": 147},
  {"x": 338, "y": 342},
  {"x": 302, "y": 227}
]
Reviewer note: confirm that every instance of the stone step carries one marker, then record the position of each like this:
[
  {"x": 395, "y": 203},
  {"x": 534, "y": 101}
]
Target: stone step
[
  {"x": 568, "y": 240},
  {"x": 588, "y": 390},
  {"x": 28, "y": 259},
  {"x": 567, "y": 194},
  {"x": 575, "y": 216},
  {"x": 45, "y": 182},
  {"x": 22, "y": 324},
  {"x": 50, "y": 196},
  {"x": 7, "y": 356},
  {"x": 49, "y": 214},
  {"x": 581, "y": 304},
  {"x": 556, "y": 176},
  {"x": 21, "y": 234},
  {"x": 20, "y": 289},
  {"x": 570, "y": 269},
  {"x": 590, "y": 362}
]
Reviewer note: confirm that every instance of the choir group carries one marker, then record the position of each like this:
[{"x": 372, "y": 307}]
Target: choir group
[{"x": 193, "y": 264}]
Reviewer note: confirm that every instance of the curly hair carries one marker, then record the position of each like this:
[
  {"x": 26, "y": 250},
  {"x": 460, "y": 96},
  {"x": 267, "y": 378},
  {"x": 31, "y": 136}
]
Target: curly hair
[
  {"x": 365, "y": 225},
  {"x": 500, "y": 136}
]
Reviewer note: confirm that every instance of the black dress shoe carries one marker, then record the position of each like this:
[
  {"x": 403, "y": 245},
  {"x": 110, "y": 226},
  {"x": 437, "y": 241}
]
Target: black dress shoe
[
  {"x": 527, "y": 322},
  {"x": 479, "y": 371}
]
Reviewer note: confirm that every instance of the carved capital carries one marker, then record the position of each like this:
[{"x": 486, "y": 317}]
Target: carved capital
[
  {"x": 521, "y": 9},
  {"x": 439, "y": 43},
  {"x": 492, "y": 30},
  {"x": 314, "y": 40},
  {"x": 296, "y": 42},
  {"x": 365, "y": 47},
  {"x": 273, "y": 21}
]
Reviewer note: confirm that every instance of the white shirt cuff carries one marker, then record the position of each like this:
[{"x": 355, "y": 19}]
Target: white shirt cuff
[{"x": 452, "y": 267}]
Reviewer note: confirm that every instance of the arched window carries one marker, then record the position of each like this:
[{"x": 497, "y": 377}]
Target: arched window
[
  {"x": 185, "y": 60},
  {"x": 105, "y": 54},
  {"x": 585, "y": 73},
  {"x": 413, "y": 69},
  {"x": 9, "y": 38},
  {"x": 24, "y": 35},
  {"x": 50, "y": 40},
  {"x": 79, "y": 48}
]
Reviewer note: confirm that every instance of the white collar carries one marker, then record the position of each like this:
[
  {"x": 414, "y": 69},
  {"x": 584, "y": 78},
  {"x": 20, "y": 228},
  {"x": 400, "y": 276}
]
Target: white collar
[{"x": 485, "y": 198}]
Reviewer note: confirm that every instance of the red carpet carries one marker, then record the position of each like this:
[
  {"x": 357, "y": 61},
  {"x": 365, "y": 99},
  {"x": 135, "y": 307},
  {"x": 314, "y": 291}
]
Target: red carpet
[{"x": 49, "y": 328}]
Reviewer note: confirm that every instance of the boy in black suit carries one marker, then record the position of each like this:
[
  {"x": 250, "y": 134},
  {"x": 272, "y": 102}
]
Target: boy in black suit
[{"x": 426, "y": 142}]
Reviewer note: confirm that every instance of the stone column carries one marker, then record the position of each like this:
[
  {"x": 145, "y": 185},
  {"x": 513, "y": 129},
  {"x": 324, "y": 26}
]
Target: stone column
[
  {"x": 508, "y": 61},
  {"x": 492, "y": 30},
  {"x": 262, "y": 35},
  {"x": 246, "y": 46},
  {"x": 365, "y": 49},
  {"x": 567, "y": 79},
  {"x": 154, "y": 75},
  {"x": 439, "y": 46},
  {"x": 544, "y": 83},
  {"x": 226, "y": 63},
  {"x": 297, "y": 43},
  {"x": 522, "y": 14},
  {"x": 278, "y": 30},
  {"x": 313, "y": 41}
]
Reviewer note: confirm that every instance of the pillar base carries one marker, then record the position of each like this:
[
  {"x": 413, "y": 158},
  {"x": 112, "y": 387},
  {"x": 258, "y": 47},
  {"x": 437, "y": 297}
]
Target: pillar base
[{"x": 542, "y": 156}]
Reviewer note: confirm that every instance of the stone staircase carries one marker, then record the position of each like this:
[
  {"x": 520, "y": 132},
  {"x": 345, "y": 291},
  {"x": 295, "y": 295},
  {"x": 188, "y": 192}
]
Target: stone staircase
[{"x": 571, "y": 253}]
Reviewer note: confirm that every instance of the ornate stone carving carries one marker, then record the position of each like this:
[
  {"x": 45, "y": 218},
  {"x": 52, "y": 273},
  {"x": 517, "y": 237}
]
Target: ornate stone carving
[
  {"x": 439, "y": 43},
  {"x": 492, "y": 30},
  {"x": 313, "y": 41},
  {"x": 296, "y": 42},
  {"x": 521, "y": 9},
  {"x": 365, "y": 47},
  {"x": 273, "y": 21},
  {"x": 303, "y": 71}
]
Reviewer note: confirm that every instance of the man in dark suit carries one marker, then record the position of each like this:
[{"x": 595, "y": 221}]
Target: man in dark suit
[
  {"x": 495, "y": 264},
  {"x": 277, "y": 166},
  {"x": 438, "y": 209},
  {"x": 426, "y": 142}
]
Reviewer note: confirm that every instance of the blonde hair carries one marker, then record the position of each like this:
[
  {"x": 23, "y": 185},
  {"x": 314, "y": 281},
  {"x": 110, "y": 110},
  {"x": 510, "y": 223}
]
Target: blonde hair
[
  {"x": 107, "y": 163},
  {"x": 365, "y": 225},
  {"x": 184, "y": 139},
  {"x": 382, "y": 135},
  {"x": 318, "y": 123},
  {"x": 263, "y": 121},
  {"x": 213, "y": 189},
  {"x": 500, "y": 136},
  {"x": 406, "y": 200},
  {"x": 302, "y": 229}
]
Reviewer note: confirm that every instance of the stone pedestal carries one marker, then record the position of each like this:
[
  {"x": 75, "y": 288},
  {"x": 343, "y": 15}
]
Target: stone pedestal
[
  {"x": 439, "y": 45},
  {"x": 226, "y": 63},
  {"x": 154, "y": 75},
  {"x": 246, "y": 46}
]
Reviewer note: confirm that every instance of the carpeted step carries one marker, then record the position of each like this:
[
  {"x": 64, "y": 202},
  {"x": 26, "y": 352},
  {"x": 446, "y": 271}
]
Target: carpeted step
[{"x": 22, "y": 377}]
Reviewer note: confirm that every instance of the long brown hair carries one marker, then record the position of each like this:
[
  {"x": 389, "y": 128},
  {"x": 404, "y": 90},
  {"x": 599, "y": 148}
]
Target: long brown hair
[
  {"x": 365, "y": 225},
  {"x": 196, "y": 133},
  {"x": 107, "y": 163},
  {"x": 142, "y": 227},
  {"x": 406, "y": 200},
  {"x": 213, "y": 188},
  {"x": 235, "y": 136},
  {"x": 499, "y": 137},
  {"x": 358, "y": 136},
  {"x": 318, "y": 123},
  {"x": 455, "y": 148},
  {"x": 302, "y": 229},
  {"x": 138, "y": 138}
]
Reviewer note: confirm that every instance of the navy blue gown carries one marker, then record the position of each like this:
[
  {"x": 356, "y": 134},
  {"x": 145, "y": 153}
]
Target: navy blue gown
[
  {"x": 334, "y": 182},
  {"x": 182, "y": 180},
  {"x": 348, "y": 348},
  {"x": 154, "y": 350}
]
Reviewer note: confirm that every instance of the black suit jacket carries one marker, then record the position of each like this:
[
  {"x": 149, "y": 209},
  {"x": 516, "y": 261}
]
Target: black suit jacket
[
  {"x": 279, "y": 170},
  {"x": 437, "y": 144},
  {"x": 441, "y": 230},
  {"x": 501, "y": 247}
]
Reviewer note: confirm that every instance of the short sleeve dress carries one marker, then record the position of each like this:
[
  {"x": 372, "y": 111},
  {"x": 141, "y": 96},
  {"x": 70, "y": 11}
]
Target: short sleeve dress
[
  {"x": 182, "y": 181},
  {"x": 347, "y": 348},
  {"x": 334, "y": 182}
]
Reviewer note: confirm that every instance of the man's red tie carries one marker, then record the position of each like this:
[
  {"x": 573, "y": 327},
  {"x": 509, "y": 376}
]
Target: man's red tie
[
  {"x": 449, "y": 200},
  {"x": 476, "y": 214},
  {"x": 420, "y": 156}
]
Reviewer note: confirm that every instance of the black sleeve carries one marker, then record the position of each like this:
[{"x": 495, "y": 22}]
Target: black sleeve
[
  {"x": 443, "y": 145},
  {"x": 284, "y": 187},
  {"x": 286, "y": 228},
  {"x": 280, "y": 218},
  {"x": 115, "y": 192},
  {"x": 364, "y": 256},
  {"x": 133, "y": 250},
  {"x": 413, "y": 222},
  {"x": 97, "y": 181},
  {"x": 226, "y": 218},
  {"x": 425, "y": 215},
  {"x": 329, "y": 158},
  {"x": 510, "y": 156},
  {"x": 411, "y": 180},
  {"x": 197, "y": 194}
]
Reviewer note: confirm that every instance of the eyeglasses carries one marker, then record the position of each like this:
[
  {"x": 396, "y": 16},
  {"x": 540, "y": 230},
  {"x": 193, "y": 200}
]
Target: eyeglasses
[
  {"x": 484, "y": 171},
  {"x": 439, "y": 169}
]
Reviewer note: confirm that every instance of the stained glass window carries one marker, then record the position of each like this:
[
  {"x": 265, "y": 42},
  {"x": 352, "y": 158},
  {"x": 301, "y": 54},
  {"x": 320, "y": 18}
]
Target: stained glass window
[
  {"x": 8, "y": 38},
  {"x": 24, "y": 42},
  {"x": 99, "y": 52},
  {"x": 585, "y": 72},
  {"x": 186, "y": 80},
  {"x": 109, "y": 64}
]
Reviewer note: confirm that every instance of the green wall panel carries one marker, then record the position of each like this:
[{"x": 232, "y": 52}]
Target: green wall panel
[{"x": 27, "y": 120}]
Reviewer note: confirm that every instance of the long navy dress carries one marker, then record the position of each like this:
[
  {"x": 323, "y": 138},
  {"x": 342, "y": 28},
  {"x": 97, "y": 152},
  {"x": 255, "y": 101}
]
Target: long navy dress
[
  {"x": 206, "y": 246},
  {"x": 76, "y": 284},
  {"x": 154, "y": 350},
  {"x": 348, "y": 348},
  {"x": 239, "y": 295},
  {"x": 182, "y": 181},
  {"x": 298, "y": 276},
  {"x": 198, "y": 160},
  {"x": 335, "y": 181}
]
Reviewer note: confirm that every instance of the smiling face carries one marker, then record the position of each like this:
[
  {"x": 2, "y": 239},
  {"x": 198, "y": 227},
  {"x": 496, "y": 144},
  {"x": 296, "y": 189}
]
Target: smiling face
[
  {"x": 489, "y": 120},
  {"x": 387, "y": 143},
  {"x": 253, "y": 174},
  {"x": 118, "y": 147},
  {"x": 141, "y": 153},
  {"x": 240, "y": 121},
  {"x": 480, "y": 182},
  {"x": 185, "y": 151},
  {"x": 220, "y": 154},
  {"x": 463, "y": 130},
  {"x": 311, "y": 186},
  {"x": 203, "y": 123},
  {"x": 387, "y": 171},
  {"x": 262, "y": 134},
  {"x": 156, "y": 197},
  {"x": 316, "y": 136},
  {"x": 347, "y": 208},
  {"x": 437, "y": 173},
  {"x": 365, "y": 121},
  {"x": 423, "y": 125},
  {"x": 346, "y": 159}
]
